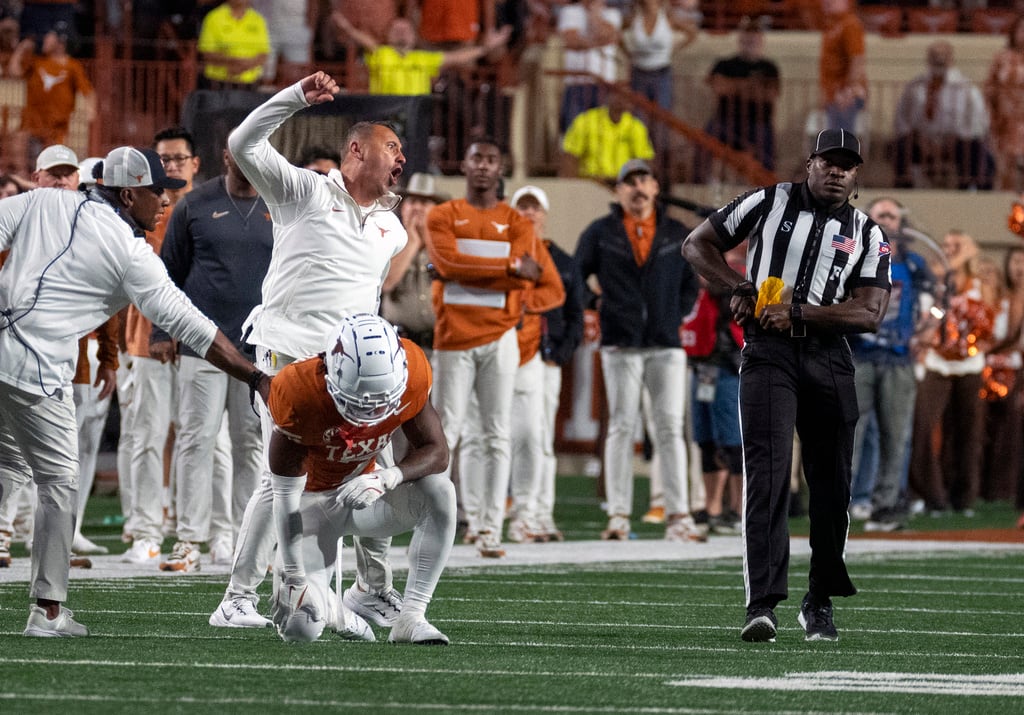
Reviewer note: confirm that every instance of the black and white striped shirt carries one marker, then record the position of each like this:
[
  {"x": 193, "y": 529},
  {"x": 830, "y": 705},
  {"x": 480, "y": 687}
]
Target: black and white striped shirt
[{"x": 819, "y": 257}]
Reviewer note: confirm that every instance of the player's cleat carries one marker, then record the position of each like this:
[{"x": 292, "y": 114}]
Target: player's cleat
[
  {"x": 816, "y": 619},
  {"x": 238, "y": 613},
  {"x": 416, "y": 629},
  {"x": 80, "y": 562},
  {"x": 143, "y": 551},
  {"x": 355, "y": 628},
  {"x": 63, "y": 626},
  {"x": 654, "y": 515},
  {"x": 618, "y": 529},
  {"x": 5, "y": 549},
  {"x": 470, "y": 536},
  {"x": 761, "y": 626},
  {"x": 489, "y": 545},
  {"x": 84, "y": 547},
  {"x": 184, "y": 558},
  {"x": 549, "y": 531},
  {"x": 520, "y": 531},
  {"x": 681, "y": 527},
  {"x": 379, "y": 607}
]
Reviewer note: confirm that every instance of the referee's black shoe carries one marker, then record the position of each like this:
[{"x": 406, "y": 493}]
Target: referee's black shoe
[
  {"x": 762, "y": 625},
  {"x": 816, "y": 619}
]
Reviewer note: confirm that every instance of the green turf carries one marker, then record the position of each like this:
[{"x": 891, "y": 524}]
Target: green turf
[{"x": 584, "y": 638}]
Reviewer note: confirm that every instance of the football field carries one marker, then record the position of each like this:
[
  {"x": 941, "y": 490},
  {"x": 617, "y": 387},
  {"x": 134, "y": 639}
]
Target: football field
[{"x": 581, "y": 627}]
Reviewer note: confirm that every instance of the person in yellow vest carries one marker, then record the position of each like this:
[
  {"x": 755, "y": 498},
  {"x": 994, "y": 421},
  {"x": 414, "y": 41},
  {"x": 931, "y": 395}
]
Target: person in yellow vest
[
  {"x": 601, "y": 140},
  {"x": 397, "y": 67},
  {"x": 234, "y": 43}
]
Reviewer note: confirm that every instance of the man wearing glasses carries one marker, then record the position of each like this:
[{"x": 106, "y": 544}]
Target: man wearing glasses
[{"x": 147, "y": 400}]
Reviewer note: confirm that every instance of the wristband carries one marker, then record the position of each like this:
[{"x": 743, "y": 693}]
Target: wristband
[
  {"x": 744, "y": 289},
  {"x": 514, "y": 266}
]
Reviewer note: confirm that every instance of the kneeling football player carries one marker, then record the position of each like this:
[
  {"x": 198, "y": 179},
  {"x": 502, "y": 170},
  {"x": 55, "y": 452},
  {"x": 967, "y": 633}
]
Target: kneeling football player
[{"x": 333, "y": 414}]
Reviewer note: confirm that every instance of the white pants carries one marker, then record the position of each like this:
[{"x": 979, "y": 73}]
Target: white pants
[
  {"x": 425, "y": 506},
  {"x": 205, "y": 394},
  {"x": 254, "y": 547},
  {"x": 150, "y": 409},
  {"x": 489, "y": 373},
  {"x": 663, "y": 372},
  {"x": 91, "y": 417},
  {"x": 38, "y": 438},
  {"x": 545, "y": 508},
  {"x": 528, "y": 436},
  {"x": 125, "y": 393}
]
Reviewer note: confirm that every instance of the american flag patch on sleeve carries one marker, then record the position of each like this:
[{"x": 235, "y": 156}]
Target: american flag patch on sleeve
[{"x": 844, "y": 243}]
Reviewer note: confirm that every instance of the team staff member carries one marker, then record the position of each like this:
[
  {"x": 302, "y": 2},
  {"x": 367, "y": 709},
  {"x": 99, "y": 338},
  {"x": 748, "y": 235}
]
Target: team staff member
[
  {"x": 51, "y": 293},
  {"x": 333, "y": 415},
  {"x": 797, "y": 370},
  {"x": 334, "y": 236},
  {"x": 646, "y": 290}
]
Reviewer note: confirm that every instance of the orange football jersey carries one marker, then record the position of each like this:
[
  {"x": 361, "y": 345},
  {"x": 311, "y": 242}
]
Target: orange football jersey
[{"x": 305, "y": 413}]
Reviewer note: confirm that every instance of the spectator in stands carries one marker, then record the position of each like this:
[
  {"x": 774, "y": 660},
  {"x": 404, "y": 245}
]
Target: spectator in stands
[
  {"x": 842, "y": 76},
  {"x": 590, "y": 33},
  {"x": 397, "y": 67},
  {"x": 1004, "y": 92},
  {"x": 11, "y": 185},
  {"x": 941, "y": 118},
  {"x": 646, "y": 288},
  {"x": 290, "y": 38},
  {"x": 452, "y": 24},
  {"x": 54, "y": 80},
  {"x": 234, "y": 44},
  {"x": 320, "y": 159},
  {"x": 651, "y": 37},
  {"x": 949, "y": 418},
  {"x": 747, "y": 87},
  {"x": 600, "y": 140},
  {"x": 884, "y": 362}
]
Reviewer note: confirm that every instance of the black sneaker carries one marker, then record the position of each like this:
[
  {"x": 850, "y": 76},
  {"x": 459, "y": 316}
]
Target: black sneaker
[
  {"x": 761, "y": 626},
  {"x": 816, "y": 619}
]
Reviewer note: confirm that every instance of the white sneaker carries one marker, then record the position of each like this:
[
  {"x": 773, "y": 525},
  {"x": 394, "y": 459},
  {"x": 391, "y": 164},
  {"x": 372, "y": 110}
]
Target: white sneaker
[
  {"x": 549, "y": 531},
  {"x": 143, "y": 551},
  {"x": 860, "y": 511},
  {"x": 82, "y": 546},
  {"x": 355, "y": 628},
  {"x": 681, "y": 527},
  {"x": 521, "y": 531},
  {"x": 238, "y": 613},
  {"x": 184, "y": 558},
  {"x": 618, "y": 529},
  {"x": 63, "y": 626},
  {"x": 488, "y": 545},
  {"x": 5, "y": 549},
  {"x": 380, "y": 607},
  {"x": 222, "y": 551},
  {"x": 416, "y": 629}
]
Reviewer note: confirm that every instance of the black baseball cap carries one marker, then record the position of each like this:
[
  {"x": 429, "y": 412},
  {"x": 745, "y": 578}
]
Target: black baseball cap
[{"x": 838, "y": 140}]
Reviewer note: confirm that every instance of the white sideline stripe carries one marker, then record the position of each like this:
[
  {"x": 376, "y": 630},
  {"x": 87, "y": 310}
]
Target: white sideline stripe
[
  {"x": 327, "y": 642},
  {"x": 377, "y": 706},
  {"x": 1010, "y": 685}
]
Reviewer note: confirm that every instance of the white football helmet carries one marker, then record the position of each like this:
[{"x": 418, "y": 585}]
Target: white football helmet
[{"x": 366, "y": 369}]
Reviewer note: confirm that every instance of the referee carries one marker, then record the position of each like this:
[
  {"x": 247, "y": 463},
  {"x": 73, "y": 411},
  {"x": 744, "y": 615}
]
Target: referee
[{"x": 797, "y": 369}]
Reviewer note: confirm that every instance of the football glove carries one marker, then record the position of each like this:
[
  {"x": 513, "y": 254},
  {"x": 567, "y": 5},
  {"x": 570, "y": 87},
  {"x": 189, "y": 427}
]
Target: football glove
[{"x": 362, "y": 491}]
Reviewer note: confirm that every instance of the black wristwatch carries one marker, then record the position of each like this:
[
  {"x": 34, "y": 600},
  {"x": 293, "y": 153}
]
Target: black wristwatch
[
  {"x": 798, "y": 328},
  {"x": 745, "y": 289}
]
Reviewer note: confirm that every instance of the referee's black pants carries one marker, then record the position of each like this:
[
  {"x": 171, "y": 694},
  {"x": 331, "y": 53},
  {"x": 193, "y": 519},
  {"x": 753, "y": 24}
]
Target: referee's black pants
[{"x": 806, "y": 383}]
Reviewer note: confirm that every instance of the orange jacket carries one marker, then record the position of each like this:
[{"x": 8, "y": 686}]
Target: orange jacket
[
  {"x": 547, "y": 294},
  {"x": 459, "y": 326},
  {"x": 137, "y": 327},
  {"x": 106, "y": 336}
]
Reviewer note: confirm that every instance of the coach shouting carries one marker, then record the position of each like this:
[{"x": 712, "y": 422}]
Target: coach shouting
[{"x": 797, "y": 369}]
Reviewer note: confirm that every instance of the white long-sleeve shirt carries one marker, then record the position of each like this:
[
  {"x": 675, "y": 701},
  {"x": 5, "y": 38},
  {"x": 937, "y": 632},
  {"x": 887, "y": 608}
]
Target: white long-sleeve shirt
[
  {"x": 960, "y": 109},
  {"x": 330, "y": 255},
  {"x": 74, "y": 263}
]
